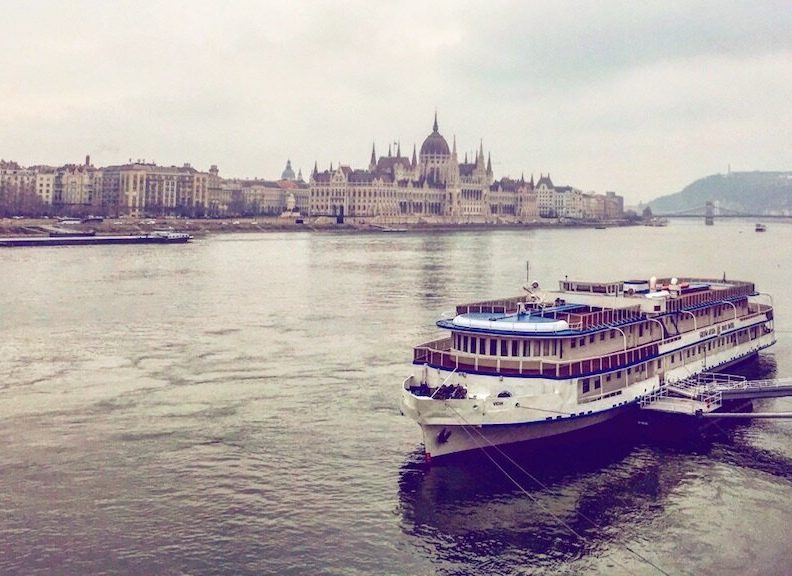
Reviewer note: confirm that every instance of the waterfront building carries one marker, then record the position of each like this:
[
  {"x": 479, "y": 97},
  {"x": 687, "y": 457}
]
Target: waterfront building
[
  {"x": 18, "y": 189},
  {"x": 259, "y": 197},
  {"x": 144, "y": 189},
  {"x": 73, "y": 188},
  {"x": 45, "y": 184}
]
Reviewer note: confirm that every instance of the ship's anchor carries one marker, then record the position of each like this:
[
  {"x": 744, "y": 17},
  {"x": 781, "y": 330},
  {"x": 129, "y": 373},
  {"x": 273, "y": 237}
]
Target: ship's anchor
[{"x": 442, "y": 436}]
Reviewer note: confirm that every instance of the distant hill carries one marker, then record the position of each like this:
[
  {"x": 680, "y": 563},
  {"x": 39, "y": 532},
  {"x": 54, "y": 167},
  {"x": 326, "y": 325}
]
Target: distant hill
[{"x": 747, "y": 192}]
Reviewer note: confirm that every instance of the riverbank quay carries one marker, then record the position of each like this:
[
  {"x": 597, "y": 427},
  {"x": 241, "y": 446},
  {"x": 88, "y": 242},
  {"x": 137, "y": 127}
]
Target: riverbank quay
[{"x": 201, "y": 226}]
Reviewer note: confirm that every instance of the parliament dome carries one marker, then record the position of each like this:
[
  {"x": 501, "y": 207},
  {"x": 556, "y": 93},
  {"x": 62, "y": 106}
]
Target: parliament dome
[{"x": 435, "y": 144}]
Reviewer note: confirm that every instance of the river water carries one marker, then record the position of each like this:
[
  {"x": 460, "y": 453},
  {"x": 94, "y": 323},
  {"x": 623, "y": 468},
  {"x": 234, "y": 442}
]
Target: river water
[{"x": 231, "y": 407}]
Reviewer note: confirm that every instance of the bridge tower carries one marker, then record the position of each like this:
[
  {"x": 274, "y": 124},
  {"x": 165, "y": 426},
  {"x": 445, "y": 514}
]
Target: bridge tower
[{"x": 709, "y": 213}]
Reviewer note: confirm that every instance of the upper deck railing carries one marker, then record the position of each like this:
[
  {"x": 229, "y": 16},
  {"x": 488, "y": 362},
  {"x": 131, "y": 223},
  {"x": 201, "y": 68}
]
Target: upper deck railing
[{"x": 439, "y": 353}]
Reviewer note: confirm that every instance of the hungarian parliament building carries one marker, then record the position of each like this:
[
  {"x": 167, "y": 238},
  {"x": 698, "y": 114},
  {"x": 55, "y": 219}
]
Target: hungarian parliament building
[
  {"x": 431, "y": 185},
  {"x": 434, "y": 185}
]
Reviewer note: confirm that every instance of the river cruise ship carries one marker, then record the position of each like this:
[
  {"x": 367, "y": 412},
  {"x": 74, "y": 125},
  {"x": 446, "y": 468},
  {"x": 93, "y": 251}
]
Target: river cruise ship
[{"x": 555, "y": 362}]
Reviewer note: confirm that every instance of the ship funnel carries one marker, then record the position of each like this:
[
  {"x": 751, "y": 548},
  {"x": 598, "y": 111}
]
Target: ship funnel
[{"x": 653, "y": 283}]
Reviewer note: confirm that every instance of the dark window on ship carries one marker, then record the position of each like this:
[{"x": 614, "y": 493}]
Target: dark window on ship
[
  {"x": 613, "y": 333},
  {"x": 591, "y": 338},
  {"x": 585, "y": 386},
  {"x": 618, "y": 374},
  {"x": 527, "y": 348},
  {"x": 493, "y": 347},
  {"x": 659, "y": 363},
  {"x": 573, "y": 343},
  {"x": 640, "y": 331},
  {"x": 602, "y": 335},
  {"x": 582, "y": 342},
  {"x": 482, "y": 346},
  {"x": 504, "y": 347},
  {"x": 473, "y": 345},
  {"x": 597, "y": 384},
  {"x": 515, "y": 347},
  {"x": 608, "y": 378}
]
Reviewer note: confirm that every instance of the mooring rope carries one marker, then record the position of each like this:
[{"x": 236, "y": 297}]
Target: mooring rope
[{"x": 536, "y": 501}]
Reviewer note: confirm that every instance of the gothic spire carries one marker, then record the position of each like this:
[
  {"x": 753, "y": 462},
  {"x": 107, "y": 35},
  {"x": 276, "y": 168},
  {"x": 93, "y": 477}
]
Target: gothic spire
[
  {"x": 390, "y": 151},
  {"x": 398, "y": 149},
  {"x": 316, "y": 168},
  {"x": 373, "y": 161},
  {"x": 454, "y": 152},
  {"x": 489, "y": 163},
  {"x": 434, "y": 128},
  {"x": 414, "y": 158}
]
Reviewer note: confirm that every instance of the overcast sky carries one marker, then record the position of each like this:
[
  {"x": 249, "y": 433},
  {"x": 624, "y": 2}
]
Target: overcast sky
[{"x": 637, "y": 97}]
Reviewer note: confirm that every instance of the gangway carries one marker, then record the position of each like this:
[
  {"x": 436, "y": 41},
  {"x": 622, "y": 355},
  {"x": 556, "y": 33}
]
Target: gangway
[{"x": 703, "y": 394}]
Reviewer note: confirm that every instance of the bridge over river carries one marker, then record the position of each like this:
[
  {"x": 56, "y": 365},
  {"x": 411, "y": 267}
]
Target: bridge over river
[{"x": 711, "y": 210}]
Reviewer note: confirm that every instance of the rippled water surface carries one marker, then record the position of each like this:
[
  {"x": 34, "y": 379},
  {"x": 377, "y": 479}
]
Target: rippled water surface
[{"x": 231, "y": 407}]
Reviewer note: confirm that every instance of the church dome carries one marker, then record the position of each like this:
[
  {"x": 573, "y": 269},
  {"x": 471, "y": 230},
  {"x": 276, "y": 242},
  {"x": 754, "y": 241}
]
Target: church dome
[
  {"x": 435, "y": 144},
  {"x": 288, "y": 173}
]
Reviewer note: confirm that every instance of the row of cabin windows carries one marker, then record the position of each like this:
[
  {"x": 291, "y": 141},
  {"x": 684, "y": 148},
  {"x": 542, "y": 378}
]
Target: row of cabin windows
[
  {"x": 575, "y": 342},
  {"x": 523, "y": 348},
  {"x": 595, "y": 382},
  {"x": 506, "y": 346}
]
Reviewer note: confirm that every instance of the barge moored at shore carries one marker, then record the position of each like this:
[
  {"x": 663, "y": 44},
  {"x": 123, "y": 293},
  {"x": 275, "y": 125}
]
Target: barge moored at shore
[
  {"x": 93, "y": 239},
  {"x": 549, "y": 363}
]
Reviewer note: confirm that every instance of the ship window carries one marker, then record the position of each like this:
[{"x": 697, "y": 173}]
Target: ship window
[
  {"x": 597, "y": 384},
  {"x": 582, "y": 342},
  {"x": 473, "y": 345},
  {"x": 515, "y": 348},
  {"x": 608, "y": 378},
  {"x": 493, "y": 347},
  {"x": 591, "y": 338},
  {"x": 585, "y": 387},
  {"x": 573, "y": 343},
  {"x": 640, "y": 331},
  {"x": 602, "y": 335},
  {"x": 659, "y": 363},
  {"x": 527, "y": 348},
  {"x": 482, "y": 348},
  {"x": 504, "y": 347},
  {"x": 613, "y": 334},
  {"x": 618, "y": 374}
]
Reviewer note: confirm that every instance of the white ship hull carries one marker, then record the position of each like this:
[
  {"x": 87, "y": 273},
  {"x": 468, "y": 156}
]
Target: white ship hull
[{"x": 446, "y": 440}]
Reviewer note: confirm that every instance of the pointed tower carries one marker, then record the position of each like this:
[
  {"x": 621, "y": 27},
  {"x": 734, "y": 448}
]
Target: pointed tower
[
  {"x": 489, "y": 163},
  {"x": 414, "y": 158},
  {"x": 390, "y": 151},
  {"x": 316, "y": 169},
  {"x": 434, "y": 127},
  {"x": 398, "y": 149},
  {"x": 373, "y": 161}
]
